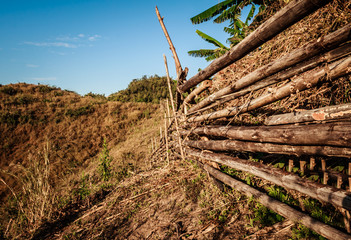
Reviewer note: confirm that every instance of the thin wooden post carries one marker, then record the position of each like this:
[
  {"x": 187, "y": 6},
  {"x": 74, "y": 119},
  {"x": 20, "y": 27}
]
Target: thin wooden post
[
  {"x": 291, "y": 165},
  {"x": 325, "y": 178},
  {"x": 173, "y": 108},
  {"x": 324, "y": 165},
  {"x": 166, "y": 138},
  {"x": 302, "y": 166},
  {"x": 312, "y": 163}
]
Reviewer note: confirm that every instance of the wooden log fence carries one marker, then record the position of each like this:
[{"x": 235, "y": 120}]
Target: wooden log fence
[
  {"x": 332, "y": 71},
  {"x": 278, "y": 207},
  {"x": 262, "y": 77},
  {"x": 292, "y": 13},
  {"x": 329, "y": 135}
]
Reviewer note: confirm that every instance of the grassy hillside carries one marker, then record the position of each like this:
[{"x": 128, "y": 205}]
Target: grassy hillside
[
  {"x": 59, "y": 133},
  {"x": 77, "y": 167}
]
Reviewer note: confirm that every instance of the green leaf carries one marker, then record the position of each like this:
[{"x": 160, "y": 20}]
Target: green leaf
[
  {"x": 209, "y": 39},
  {"x": 212, "y": 11},
  {"x": 229, "y": 14},
  {"x": 201, "y": 53},
  {"x": 250, "y": 15}
]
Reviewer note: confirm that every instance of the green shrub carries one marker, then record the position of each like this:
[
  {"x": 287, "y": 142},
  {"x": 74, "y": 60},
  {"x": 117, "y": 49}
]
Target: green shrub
[
  {"x": 8, "y": 90},
  {"x": 10, "y": 118},
  {"x": 74, "y": 113},
  {"x": 147, "y": 89},
  {"x": 24, "y": 100},
  {"x": 46, "y": 88},
  {"x": 95, "y": 95}
]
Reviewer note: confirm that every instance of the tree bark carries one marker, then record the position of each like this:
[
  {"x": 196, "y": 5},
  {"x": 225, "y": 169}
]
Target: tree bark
[
  {"x": 279, "y": 207},
  {"x": 292, "y": 13},
  {"x": 321, "y": 114},
  {"x": 332, "y": 71},
  {"x": 205, "y": 85},
  {"x": 329, "y": 134},
  {"x": 260, "y": 82},
  {"x": 241, "y": 146}
]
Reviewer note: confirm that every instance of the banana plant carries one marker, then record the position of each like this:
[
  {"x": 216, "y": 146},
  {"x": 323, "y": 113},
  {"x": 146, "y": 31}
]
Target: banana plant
[{"x": 237, "y": 29}]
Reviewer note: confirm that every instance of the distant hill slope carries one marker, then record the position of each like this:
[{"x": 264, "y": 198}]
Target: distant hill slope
[
  {"x": 72, "y": 125},
  {"x": 146, "y": 89}
]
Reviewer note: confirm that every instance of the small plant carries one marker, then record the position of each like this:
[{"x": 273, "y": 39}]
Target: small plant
[
  {"x": 265, "y": 216},
  {"x": 83, "y": 191},
  {"x": 105, "y": 161},
  {"x": 302, "y": 232}
]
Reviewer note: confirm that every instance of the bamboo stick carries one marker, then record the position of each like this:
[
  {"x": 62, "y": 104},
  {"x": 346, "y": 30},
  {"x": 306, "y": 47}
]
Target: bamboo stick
[
  {"x": 173, "y": 107},
  {"x": 290, "y": 14}
]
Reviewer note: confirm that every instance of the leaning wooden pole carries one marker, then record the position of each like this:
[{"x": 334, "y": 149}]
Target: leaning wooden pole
[
  {"x": 292, "y": 13},
  {"x": 307, "y": 51},
  {"x": 324, "y": 193},
  {"x": 171, "y": 46},
  {"x": 331, "y": 71},
  {"x": 279, "y": 207}
]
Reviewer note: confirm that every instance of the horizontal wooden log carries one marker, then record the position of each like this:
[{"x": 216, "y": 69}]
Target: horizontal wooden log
[
  {"x": 205, "y": 85},
  {"x": 332, "y": 71},
  {"x": 336, "y": 112},
  {"x": 309, "y": 50},
  {"x": 330, "y": 56},
  {"x": 324, "y": 193},
  {"x": 279, "y": 207},
  {"x": 272, "y": 148},
  {"x": 329, "y": 134},
  {"x": 290, "y": 14}
]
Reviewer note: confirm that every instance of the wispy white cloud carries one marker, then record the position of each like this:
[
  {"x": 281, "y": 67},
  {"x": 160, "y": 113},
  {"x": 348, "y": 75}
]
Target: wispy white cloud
[
  {"x": 32, "y": 65},
  {"x": 94, "y": 38},
  {"x": 67, "y": 41},
  {"x": 44, "y": 78},
  {"x": 52, "y": 44}
]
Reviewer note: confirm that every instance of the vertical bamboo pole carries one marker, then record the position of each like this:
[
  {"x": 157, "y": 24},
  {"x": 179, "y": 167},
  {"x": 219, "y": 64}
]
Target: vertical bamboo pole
[
  {"x": 173, "y": 108},
  {"x": 166, "y": 138}
]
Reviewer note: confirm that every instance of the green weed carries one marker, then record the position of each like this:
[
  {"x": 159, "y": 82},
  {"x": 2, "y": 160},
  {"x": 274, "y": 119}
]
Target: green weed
[{"x": 105, "y": 162}]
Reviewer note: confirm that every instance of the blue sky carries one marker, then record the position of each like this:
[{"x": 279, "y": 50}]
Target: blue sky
[{"x": 97, "y": 46}]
